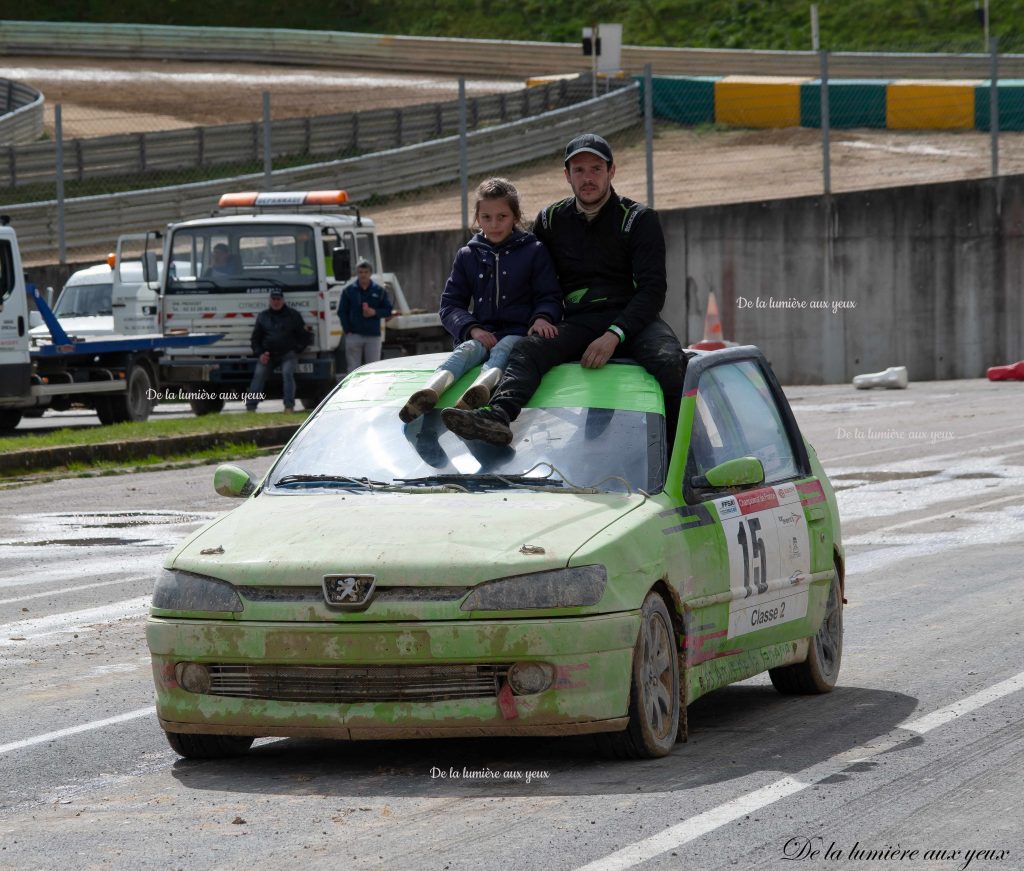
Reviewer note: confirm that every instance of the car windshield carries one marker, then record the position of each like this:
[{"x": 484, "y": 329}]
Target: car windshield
[
  {"x": 247, "y": 258},
  {"x": 608, "y": 450},
  {"x": 83, "y": 300}
]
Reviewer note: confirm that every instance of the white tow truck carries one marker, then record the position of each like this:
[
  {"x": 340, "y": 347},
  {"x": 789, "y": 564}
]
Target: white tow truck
[
  {"x": 116, "y": 374},
  {"x": 222, "y": 269}
]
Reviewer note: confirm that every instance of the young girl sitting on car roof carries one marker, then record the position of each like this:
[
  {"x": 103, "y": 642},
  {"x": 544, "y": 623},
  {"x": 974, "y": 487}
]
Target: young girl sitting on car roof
[{"x": 502, "y": 287}]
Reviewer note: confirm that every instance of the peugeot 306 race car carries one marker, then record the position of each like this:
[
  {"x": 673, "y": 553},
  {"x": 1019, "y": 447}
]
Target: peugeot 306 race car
[{"x": 389, "y": 580}]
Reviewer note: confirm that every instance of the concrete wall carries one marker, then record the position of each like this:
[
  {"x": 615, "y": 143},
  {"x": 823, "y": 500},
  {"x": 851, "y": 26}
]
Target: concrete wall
[{"x": 933, "y": 274}]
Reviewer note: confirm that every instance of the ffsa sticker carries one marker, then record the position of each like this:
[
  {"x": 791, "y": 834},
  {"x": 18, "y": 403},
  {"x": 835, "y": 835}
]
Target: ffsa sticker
[{"x": 769, "y": 554}]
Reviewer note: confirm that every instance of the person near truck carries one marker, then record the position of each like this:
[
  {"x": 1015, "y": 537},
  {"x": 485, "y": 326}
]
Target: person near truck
[
  {"x": 278, "y": 338},
  {"x": 502, "y": 287},
  {"x": 609, "y": 253},
  {"x": 363, "y": 303}
]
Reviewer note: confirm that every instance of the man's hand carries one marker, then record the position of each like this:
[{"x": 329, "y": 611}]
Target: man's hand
[
  {"x": 544, "y": 328},
  {"x": 600, "y": 351},
  {"x": 484, "y": 337},
  {"x": 367, "y": 311},
  {"x": 265, "y": 357}
]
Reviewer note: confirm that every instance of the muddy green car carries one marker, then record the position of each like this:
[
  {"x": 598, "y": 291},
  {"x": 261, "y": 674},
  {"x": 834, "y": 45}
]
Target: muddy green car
[{"x": 393, "y": 581}]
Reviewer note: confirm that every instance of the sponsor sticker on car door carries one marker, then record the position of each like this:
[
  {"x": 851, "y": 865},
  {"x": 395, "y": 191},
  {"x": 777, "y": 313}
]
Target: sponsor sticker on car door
[{"x": 769, "y": 557}]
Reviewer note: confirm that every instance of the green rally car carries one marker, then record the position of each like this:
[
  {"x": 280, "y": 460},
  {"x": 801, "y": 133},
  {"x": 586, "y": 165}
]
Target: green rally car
[{"x": 387, "y": 580}]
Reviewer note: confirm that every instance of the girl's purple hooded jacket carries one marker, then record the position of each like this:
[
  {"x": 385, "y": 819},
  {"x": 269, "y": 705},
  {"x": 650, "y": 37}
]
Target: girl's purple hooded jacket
[{"x": 502, "y": 288}]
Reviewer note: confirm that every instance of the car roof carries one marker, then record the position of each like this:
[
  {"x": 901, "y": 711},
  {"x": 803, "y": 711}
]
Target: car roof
[
  {"x": 622, "y": 385},
  {"x": 101, "y": 273},
  {"x": 310, "y": 220}
]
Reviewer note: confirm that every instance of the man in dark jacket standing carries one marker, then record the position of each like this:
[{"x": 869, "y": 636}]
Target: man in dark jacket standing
[
  {"x": 363, "y": 303},
  {"x": 609, "y": 253},
  {"x": 279, "y": 336}
]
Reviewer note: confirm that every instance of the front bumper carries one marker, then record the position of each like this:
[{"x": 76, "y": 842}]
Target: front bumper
[{"x": 592, "y": 658}]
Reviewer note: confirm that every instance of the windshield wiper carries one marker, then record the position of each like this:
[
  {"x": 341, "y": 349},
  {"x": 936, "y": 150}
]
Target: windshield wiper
[
  {"x": 333, "y": 480},
  {"x": 493, "y": 479},
  {"x": 248, "y": 279}
]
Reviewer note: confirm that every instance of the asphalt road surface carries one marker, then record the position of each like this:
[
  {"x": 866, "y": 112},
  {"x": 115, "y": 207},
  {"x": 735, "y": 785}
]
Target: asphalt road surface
[{"x": 919, "y": 750}]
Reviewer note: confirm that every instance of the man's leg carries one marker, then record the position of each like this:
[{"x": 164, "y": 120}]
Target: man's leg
[
  {"x": 353, "y": 351},
  {"x": 288, "y": 365},
  {"x": 533, "y": 357},
  {"x": 371, "y": 348},
  {"x": 259, "y": 381},
  {"x": 658, "y": 350},
  {"x": 529, "y": 361}
]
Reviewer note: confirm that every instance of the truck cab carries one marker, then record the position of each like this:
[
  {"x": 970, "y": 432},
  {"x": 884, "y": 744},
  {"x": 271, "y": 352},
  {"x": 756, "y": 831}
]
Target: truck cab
[
  {"x": 224, "y": 267},
  {"x": 15, "y": 362}
]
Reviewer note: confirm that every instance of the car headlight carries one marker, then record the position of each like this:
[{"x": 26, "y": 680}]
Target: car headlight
[
  {"x": 559, "y": 588},
  {"x": 184, "y": 591}
]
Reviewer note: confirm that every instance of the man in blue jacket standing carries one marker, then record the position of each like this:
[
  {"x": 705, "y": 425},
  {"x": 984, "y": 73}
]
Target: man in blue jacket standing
[{"x": 363, "y": 303}]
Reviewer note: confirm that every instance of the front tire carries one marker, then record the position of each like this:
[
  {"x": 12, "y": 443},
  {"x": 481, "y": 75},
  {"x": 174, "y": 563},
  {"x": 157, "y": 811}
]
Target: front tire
[
  {"x": 202, "y": 407},
  {"x": 654, "y": 705},
  {"x": 208, "y": 746},
  {"x": 820, "y": 671}
]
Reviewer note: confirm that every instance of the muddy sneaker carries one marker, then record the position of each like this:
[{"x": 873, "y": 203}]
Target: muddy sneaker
[
  {"x": 419, "y": 404},
  {"x": 486, "y": 424}
]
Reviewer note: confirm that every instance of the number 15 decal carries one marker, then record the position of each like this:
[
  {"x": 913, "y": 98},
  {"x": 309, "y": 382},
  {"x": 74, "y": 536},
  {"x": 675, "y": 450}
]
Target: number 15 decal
[{"x": 752, "y": 545}]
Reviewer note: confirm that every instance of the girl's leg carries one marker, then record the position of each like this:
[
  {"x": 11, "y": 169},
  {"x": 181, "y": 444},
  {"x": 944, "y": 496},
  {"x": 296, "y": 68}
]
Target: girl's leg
[
  {"x": 479, "y": 392},
  {"x": 460, "y": 361},
  {"x": 467, "y": 355},
  {"x": 500, "y": 352}
]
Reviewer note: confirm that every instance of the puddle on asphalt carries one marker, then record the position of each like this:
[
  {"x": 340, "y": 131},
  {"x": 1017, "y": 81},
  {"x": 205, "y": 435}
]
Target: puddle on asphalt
[
  {"x": 83, "y": 542},
  {"x": 874, "y": 477}
]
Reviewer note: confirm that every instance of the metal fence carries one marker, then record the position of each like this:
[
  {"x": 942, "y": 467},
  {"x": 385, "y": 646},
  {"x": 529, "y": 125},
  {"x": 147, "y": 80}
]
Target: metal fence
[
  {"x": 146, "y": 158},
  {"x": 456, "y": 56},
  {"x": 95, "y": 222},
  {"x": 21, "y": 112}
]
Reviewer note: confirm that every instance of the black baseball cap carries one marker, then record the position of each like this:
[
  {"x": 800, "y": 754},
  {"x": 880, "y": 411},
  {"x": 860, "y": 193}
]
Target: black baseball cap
[
  {"x": 589, "y": 142},
  {"x": 277, "y": 293}
]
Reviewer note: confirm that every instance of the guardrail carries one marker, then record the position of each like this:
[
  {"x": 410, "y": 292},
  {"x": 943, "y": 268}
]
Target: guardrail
[
  {"x": 97, "y": 221},
  {"x": 21, "y": 112},
  {"x": 466, "y": 56},
  {"x": 319, "y": 136}
]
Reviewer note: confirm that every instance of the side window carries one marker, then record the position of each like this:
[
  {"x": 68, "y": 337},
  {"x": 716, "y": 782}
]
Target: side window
[
  {"x": 737, "y": 416},
  {"x": 6, "y": 270},
  {"x": 366, "y": 250}
]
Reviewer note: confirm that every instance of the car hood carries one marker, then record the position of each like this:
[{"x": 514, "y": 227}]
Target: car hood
[{"x": 447, "y": 539}]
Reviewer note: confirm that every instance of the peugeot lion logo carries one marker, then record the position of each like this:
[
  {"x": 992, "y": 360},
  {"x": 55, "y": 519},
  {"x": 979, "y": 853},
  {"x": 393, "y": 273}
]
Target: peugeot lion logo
[{"x": 349, "y": 591}]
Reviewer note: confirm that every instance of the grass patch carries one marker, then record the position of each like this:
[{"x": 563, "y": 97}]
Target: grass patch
[
  {"x": 123, "y": 432},
  {"x": 153, "y": 463}
]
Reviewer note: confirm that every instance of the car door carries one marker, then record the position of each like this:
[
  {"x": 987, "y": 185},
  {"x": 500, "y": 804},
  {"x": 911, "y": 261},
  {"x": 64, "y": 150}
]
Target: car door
[{"x": 755, "y": 593}]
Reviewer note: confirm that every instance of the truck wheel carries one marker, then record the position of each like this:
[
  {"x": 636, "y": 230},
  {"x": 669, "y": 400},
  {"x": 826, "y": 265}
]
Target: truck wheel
[
  {"x": 133, "y": 404},
  {"x": 654, "y": 705},
  {"x": 208, "y": 746},
  {"x": 201, "y": 407},
  {"x": 9, "y": 419}
]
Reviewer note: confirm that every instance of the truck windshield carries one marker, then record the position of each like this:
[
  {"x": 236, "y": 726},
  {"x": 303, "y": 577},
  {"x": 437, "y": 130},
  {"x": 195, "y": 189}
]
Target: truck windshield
[
  {"x": 602, "y": 448},
  {"x": 247, "y": 258},
  {"x": 83, "y": 300}
]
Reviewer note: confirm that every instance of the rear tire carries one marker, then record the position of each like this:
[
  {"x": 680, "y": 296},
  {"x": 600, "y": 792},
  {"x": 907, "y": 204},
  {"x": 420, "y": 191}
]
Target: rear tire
[
  {"x": 208, "y": 746},
  {"x": 134, "y": 404},
  {"x": 654, "y": 705},
  {"x": 202, "y": 407},
  {"x": 820, "y": 671},
  {"x": 9, "y": 419}
]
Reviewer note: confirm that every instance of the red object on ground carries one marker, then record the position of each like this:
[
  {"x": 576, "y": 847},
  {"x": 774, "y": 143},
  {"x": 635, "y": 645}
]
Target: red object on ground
[
  {"x": 1013, "y": 372},
  {"x": 712, "y": 340}
]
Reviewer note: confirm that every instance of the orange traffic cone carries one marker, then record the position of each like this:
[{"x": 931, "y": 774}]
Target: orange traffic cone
[
  {"x": 712, "y": 340},
  {"x": 1013, "y": 372}
]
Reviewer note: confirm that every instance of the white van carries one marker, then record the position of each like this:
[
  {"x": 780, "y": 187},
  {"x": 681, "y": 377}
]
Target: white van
[{"x": 84, "y": 305}]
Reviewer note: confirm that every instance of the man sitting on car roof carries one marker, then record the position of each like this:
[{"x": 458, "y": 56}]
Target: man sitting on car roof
[{"x": 609, "y": 253}]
